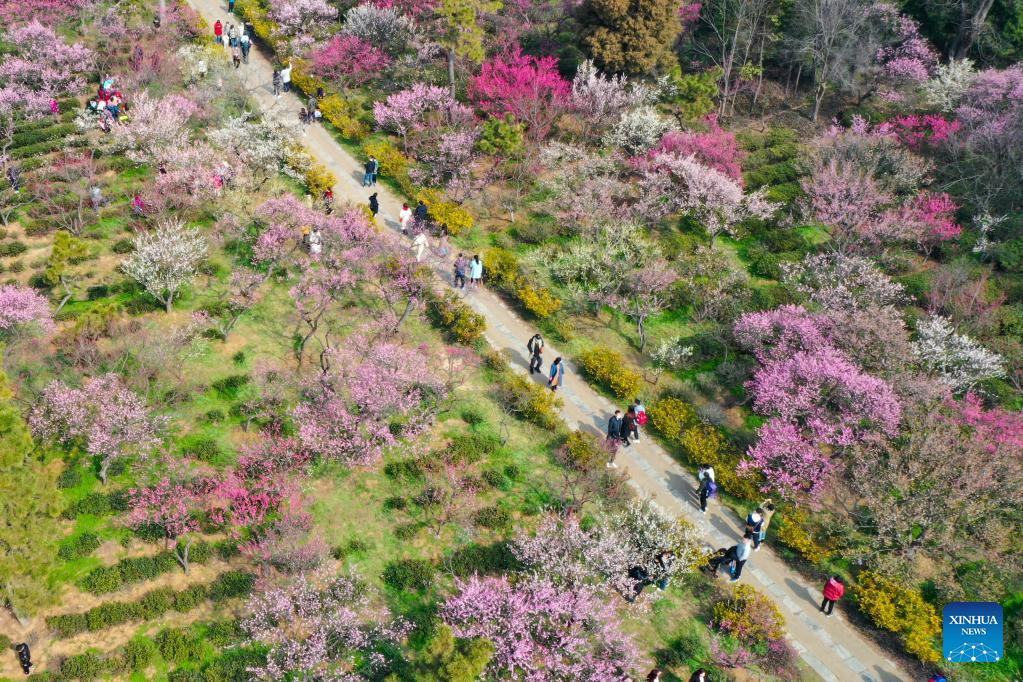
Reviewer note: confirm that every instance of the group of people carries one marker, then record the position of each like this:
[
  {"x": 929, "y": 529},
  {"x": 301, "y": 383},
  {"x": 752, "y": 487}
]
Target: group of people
[
  {"x": 620, "y": 428},
  {"x": 473, "y": 267},
  {"x": 311, "y": 112},
  {"x": 757, "y": 521},
  {"x": 235, "y": 38},
  {"x": 372, "y": 171},
  {"x": 109, "y": 104},
  {"x": 281, "y": 79}
]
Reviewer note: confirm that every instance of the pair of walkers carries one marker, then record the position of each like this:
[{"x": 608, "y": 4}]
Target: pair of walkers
[
  {"x": 556, "y": 374},
  {"x": 473, "y": 267},
  {"x": 622, "y": 427}
]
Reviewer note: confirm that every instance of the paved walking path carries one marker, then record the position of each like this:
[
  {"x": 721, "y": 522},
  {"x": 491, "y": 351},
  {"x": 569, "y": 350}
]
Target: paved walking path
[{"x": 831, "y": 647}]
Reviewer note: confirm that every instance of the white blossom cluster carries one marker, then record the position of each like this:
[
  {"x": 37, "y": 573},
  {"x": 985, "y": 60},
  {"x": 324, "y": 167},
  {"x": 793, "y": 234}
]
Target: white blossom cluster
[
  {"x": 165, "y": 259},
  {"x": 959, "y": 361},
  {"x": 638, "y": 130}
]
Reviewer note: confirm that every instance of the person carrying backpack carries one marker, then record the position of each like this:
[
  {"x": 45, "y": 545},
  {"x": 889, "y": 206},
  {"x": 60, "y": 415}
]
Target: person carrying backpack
[
  {"x": 708, "y": 486},
  {"x": 754, "y": 526},
  {"x": 641, "y": 417},
  {"x": 535, "y": 348}
]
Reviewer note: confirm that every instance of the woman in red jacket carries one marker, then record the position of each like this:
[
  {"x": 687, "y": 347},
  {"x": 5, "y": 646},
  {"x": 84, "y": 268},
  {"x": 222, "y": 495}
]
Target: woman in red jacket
[
  {"x": 218, "y": 32},
  {"x": 833, "y": 591}
]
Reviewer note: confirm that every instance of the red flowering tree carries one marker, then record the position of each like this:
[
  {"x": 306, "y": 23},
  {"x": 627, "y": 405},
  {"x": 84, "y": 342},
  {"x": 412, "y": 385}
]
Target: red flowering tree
[
  {"x": 527, "y": 87},
  {"x": 172, "y": 506},
  {"x": 715, "y": 147}
]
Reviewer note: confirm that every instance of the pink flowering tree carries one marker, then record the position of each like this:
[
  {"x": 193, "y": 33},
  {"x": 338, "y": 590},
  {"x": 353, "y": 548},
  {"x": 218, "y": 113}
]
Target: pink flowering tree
[
  {"x": 23, "y": 312},
  {"x": 828, "y": 395},
  {"x": 41, "y": 68},
  {"x": 417, "y": 107},
  {"x": 850, "y": 202},
  {"x": 527, "y": 87},
  {"x": 44, "y": 11},
  {"x": 302, "y": 21},
  {"x": 352, "y": 406},
  {"x": 715, "y": 148},
  {"x": 171, "y": 506},
  {"x": 541, "y": 631},
  {"x": 321, "y": 626},
  {"x": 289, "y": 543},
  {"x": 794, "y": 467},
  {"x": 907, "y": 59},
  {"x": 319, "y": 290},
  {"x": 778, "y": 334},
  {"x": 103, "y": 416},
  {"x": 673, "y": 184},
  {"x": 348, "y": 60}
]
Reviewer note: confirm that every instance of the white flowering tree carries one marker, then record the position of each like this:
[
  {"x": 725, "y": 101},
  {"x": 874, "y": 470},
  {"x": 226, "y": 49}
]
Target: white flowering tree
[
  {"x": 265, "y": 147},
  {"x": 638, "y": 130},
  {"x": 383, "y": 27},
  {"x": 166, "y": 259},
  {"x": 956, "y": 359},
  {"x": 950, "y": 83},
  {"x": 600, "y": 99}
]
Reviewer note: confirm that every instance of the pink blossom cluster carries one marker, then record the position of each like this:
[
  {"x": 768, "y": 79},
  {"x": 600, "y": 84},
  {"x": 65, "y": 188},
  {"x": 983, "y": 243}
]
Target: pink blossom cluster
[
  {"x": 302, "y": 20},
  {"x": 348, "y": 233},
  {"x": 348, "y": 59},
  {"x": 911, "y": 58},
  {"x": 168, "y": 505},
  {"x": 14, "y": 12},
  {"x": 995, "y": 429},
  {"x": 104, "y": 415},
  {"x": 529, "y": 88},
  {"x": 408, "y": 110},
  {"x": 23, "y": 309},
  {"x": 315, "y": 627},
  {"x": 815, "y": 396},
  {"x": 289, "y": 543},
  {"x": 41, "y": 68},
  {"x": 715, "y": 148},
  {"x": 410, "y": 8},
  {"x": 541, "y": 631}
]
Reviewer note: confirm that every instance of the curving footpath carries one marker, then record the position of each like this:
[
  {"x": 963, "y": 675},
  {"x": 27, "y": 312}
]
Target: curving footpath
[{"x": 833, "y": 648}]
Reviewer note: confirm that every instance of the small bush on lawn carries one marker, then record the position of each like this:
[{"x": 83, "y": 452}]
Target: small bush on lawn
[
  {"x": 472, "y": 415},
  {"x": 539, "y": 301},
  {"x": 185, "y": 675},
  {"x": 493, "y": 517},
  {"x": 607, "y": 368},
  {"x": 231, "y": 584},
  {"x": 502, "y": 268},
  {"x": 138, "y": 653},
  {"x": 482, "y": 559},
  {"x": 68, "y": 624},
  {"x": 527, "y": 400},
  {"x": 69, "y": 478},
  {"x": 79, "y": 546},
  {"x": 177, "y": 645},
  {"x": 406, "y": 470},
  {"x": 902, "y": 610},
  {"x": 85, "y": 667},
  {"x": 472, "y": 447},
  {"x": 202, "y": 448},
  {"x": 123, "y": 246},
  {"x": 221, "y": 633},
  {"x": 406, "y": 574},
  {"x": 228, "y": 387},
  {"x": 102, "y": 580},
  {"x": 156, "y": 603}
]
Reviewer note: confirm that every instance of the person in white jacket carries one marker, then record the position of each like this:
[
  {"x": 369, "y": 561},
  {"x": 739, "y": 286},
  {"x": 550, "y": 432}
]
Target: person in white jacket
[
  {"x": 419, "y": 245},
  {"x": 404, "y": 216}
]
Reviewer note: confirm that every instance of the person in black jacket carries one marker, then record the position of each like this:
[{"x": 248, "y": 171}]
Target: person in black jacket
[
  {"x": 24, "y": 657},
  {"x": 535, "y": 348},
  {"x": 374, "y": 205}
]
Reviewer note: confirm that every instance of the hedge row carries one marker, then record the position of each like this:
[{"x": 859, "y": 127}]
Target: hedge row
[
  {"x": 503, "y": 270},
  {"x": 151, "y": 605},
  {"x": 139, "y": 569},
  {"x": 98, "y": 504},
  {"x": 52, "y": 132},
  {"x": 608, "y": 369},
  {"x": 47, "y": 146}
]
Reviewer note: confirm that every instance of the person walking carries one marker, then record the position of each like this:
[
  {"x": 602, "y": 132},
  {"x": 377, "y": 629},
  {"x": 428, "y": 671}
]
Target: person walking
[
  {"x": 556, "y": 374},
  {"x": 834, "y": 588},
  {"x": 535, "y": 348},
  {"x": 218, "y": 32},
  {"x": 232, "y": 35},
  {"x": 614, "y": 434},
  {"x": 246, "y": 44},
  {"x": 641, "y": 578},
  {"x": 328, "y": 201},
  {"x": 475, "y": 271},
  {"x": 375, "y": 170},
  {"x": 628, "y": 424},
  {"x": 404, "y": 216},
  {"x": 767, "y": 511},
  {"x": 743, "y": 550},
  {"x": 419, "y": 245},
  {"x": 230, "y": 6},
  {"x": 315, "y": 242},
  {"x": 286, "y": 77},
  {"x": 236, "y": 56},
  {"x": 708, "y": 486},
  {"x": 460, "y": 266},
  {"x": 278, "y": 82},
  {"x": 367, "y": 175},
  {"x": 699, "y": 676},
  {"x": 24, "y": 657},
  {"x": 313, "y": 105},
  {"x": 754, "y": 524},
  {"x": 422, "y": 212},
  {"x": 641, "y": 417},
  {"x": 374, "y": 204},
  {"x": 443, "y": 249},
  {"x": 665, "y": 564}
]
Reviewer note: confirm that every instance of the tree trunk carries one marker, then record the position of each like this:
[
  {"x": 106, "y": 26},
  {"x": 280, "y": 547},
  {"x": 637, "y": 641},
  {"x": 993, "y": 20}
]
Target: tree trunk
[
  {"x": 451, "y": 71},
  {"x": 169, "y": 302},
  {"x": 104, "y": 469},
  {"x": 182, "y": 555},
  {"x": 818, "y": 98},
  {"x": 970, "y": 25},
  {"x": 641, "y": 328},
  {"x": 163, "y": 11}
]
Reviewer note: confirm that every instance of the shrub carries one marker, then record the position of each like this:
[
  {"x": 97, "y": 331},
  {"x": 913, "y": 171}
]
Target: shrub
[
  {"x": 671, "y": 417},
  {"x": 109, "y": 614},
  {"x": 5, "y": 643},
  {"x": 450, "y": 314},
  {"x": 607, "y": 368},
  {"x": 221, "y": 633},
  {"x": 123, "y": 246},
  {"x": 319, "y": 179},
  {"x": 539, "y": 301},
  {"x": 305, "y": 81},
  {"x": 527, "y": 400},
  {"x": 337, "y": 112},
  {"x": 408, "y": 469},
  {"x": 1010, "y": 255},
  {"x": 472, "y": 447},
  {"x": 185, "y": 675},
  {"x": 231, "y": 584},
  {"x": 102, "y": 580},
  {"x": 79, "y": 546},
  {"x": 407, "y": 531},
  {"x": 83, "y": 667},
  {"x": 15, "y": 248},
  {"x": 902, "y": 610},
  {"x": 214, "y": 416},
  {"x": 202, "y": 448},
  {"x": 493, "y": 517},
  {"x": 704, "y": 444},
  {"x": 482, "y": 560},
  {"x": 502, "y": 268},
  {"x": 156, "y": 603},
  {"x": 69, "y": 478},
  {"x": 749, "y": 616},
  {"x": 791, "y": 531},
  {"x": 96, "y": 504},
  {"x": 228, "y": 387},
  {"x": 447, "y": 213},
  {"x": 189, "y": 598},
  {"x": 495, "y": 478},
  {"x": 138, "y": 653},
  {"x": 67, "y": 625},
  {"x": 177, "y": 645},
  {"x": 408, "y": 574}
]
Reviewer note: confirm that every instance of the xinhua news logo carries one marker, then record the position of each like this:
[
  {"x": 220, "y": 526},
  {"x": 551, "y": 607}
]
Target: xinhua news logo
[{"x": 971, "y": 632}]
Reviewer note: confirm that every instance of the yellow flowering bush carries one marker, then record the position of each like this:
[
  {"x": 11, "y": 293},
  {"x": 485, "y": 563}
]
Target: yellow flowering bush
[
  {"x": 539, "y": 301},
  {"x": 608, "y": 368},
  {"x": 671, "y": 417},
  {"x": 339, "y": 114},
  {"x": 319, "y": 179},
  {"x": 900, "y": 609},
  {"x": 449, "y": 313}
]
